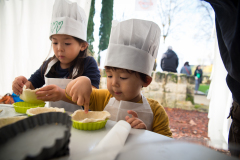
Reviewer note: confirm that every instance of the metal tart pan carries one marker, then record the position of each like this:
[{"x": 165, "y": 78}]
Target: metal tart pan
[{"x": 42, "y": 136}]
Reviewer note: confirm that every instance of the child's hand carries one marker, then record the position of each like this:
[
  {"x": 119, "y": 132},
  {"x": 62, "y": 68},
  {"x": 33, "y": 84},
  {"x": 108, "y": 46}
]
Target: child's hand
[
  {"x": 135, "y": 122},
  {"x": 50, "y": 93},
  {"x": 18, "y": 83},
  {"x": 80, "y": 90}
]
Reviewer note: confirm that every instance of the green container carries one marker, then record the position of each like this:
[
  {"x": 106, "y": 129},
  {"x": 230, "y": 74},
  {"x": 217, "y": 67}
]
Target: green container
[
  {"x": 89, "y": 126},
  {"x": 22, "y": 107}
]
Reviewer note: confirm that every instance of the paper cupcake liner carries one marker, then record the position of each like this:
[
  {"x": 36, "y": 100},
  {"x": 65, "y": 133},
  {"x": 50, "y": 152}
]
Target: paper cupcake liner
[
  {"x": 14, "y": 131},
  {"x": 89, "y": 126},
  {"x": 22, "y": 107}
]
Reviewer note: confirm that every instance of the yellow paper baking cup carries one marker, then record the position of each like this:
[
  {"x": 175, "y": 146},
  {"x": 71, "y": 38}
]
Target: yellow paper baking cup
[
  {"x": 22, "y": 107},
  {"x": 89, "y": 126}
]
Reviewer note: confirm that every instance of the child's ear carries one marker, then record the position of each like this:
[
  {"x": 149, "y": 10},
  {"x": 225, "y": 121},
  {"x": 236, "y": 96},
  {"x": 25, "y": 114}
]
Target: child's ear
[
  {"x": 149, "y": 80},
  {"x": 84, "y": 45}
]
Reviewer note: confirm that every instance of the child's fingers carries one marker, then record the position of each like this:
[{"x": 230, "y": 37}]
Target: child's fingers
[
  {"x": 46, "y": 88},
  {"x": 135, "y": 122},
  {"x": 41, "y": 93},
  {"x": 45, "y": 95},
  {"x": 44, "y": 92},
  {"x": 75, "y": 98},
  {"x": 21, "y": 80},
  {"x": 48, "y": 97},
  {"x": 133, "y": 113},
  {"x": 130, "y": 120},
  {"x": 80, "y": 101},
  {"x": 86, "y": 107},
  {"x": 140, "y": 126},
  {"x": 20, "y": 83},
  {"x": 86, "y": 104},
  {"x": 73, "y": 92},
  {"x": 24, "y": 80},
  {"x": 16, "y": 88}
]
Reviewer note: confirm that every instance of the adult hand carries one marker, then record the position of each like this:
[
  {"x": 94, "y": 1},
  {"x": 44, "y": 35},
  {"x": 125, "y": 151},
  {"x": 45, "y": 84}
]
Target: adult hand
[
  {"x": 50, "y": 93},
  {"x": 18, "y": 83},
  {"x": 135, "y": 122},
  {"x": 80, "y": 90}
]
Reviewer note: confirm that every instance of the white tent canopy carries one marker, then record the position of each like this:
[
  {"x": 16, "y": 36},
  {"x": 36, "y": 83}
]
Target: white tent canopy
[{"x": 220, "y": 103}]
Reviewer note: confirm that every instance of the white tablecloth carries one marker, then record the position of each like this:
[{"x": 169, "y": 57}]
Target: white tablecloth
[{"x": 140, "y": 144}]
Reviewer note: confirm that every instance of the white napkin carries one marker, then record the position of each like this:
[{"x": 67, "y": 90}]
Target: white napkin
[{"x": 109, "y": 147}]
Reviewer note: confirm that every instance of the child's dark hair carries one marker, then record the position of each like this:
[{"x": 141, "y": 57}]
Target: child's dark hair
[
  {"x": 141, "y": 75},
  {"x": 78, "y": 62}
]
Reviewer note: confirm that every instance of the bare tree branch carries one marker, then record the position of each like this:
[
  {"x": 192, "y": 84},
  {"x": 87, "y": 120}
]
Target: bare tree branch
[{"x": 167, "y": 9}]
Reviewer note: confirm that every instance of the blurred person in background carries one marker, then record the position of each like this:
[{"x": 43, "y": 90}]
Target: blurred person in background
[
  {"x": 186, "y": 69},
  {"x": 198, "y": 77},
  {"x": 169, "y": 61}
]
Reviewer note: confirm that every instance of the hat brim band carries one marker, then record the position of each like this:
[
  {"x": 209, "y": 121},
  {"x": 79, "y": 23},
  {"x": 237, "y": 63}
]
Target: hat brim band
[
  {"x": 128, "y": 57},
  {"x": 68, "y": 26}
]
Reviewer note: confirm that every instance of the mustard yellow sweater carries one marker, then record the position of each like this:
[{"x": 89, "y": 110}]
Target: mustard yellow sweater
[{"x": 100, "y": 97}]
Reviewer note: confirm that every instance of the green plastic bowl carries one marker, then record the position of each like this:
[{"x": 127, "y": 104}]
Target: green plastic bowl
[
  {"x": 22, "y": 107},
  {"x": 89, "y": 126}
]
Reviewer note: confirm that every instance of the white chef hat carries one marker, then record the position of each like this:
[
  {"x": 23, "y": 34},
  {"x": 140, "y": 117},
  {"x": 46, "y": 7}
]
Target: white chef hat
[
  {"x": 133, "y": 45},
  {"x": 68, "y": 18}
]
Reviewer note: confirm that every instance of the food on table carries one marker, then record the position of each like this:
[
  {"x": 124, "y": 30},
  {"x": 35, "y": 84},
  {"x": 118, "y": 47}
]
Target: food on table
[
  {"x": 22, "y": 107},
  {"x": 10, "y": 120},
  {"x": 39, "y": 110},
  {"x": 29, "y": 95},
  {"x": 91, "y": 116}
]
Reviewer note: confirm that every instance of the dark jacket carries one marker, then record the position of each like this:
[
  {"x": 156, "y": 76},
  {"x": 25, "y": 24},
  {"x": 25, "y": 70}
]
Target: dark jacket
[
  {"x": 227, "y": 18},
  {"x": 169, "y": 61},
  {"x": 90, "y": 70},
  {"x": 200, "y": 72}
]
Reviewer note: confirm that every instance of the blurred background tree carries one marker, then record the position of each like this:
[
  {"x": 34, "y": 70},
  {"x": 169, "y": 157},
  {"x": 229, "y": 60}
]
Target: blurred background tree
[
  {"x": 167, "y": 11},
  {"x": 105, "y": 26},
  {"x": 90, "y": 28}
]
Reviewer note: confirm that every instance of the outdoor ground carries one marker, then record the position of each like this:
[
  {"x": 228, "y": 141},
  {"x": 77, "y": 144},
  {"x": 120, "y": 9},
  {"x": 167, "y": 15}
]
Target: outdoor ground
[
  {"x": 203, "y": 88},
  {"x": 191, "y": 126}
]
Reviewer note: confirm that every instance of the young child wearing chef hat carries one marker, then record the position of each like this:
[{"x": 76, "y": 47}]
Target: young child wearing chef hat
[
  {"x": 68, "y": 33},
  {"x": 132, "y": 50}
]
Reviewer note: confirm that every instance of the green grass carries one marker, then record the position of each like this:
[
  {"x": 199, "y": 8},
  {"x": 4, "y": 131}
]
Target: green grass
[
  {"x": 203, "y": 88},
  {"x": 196, "y": 106}
]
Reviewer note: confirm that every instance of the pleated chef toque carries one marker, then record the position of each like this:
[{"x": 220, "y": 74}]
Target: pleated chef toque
[
  {"x": 133, "y": 45},
  {"x": 68, "y": 18}
]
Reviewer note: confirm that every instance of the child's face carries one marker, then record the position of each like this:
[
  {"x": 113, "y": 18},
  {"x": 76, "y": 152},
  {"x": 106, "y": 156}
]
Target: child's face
[
  {"x": 123, "y": 85},
  {"x": 66, "y": 49}
]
